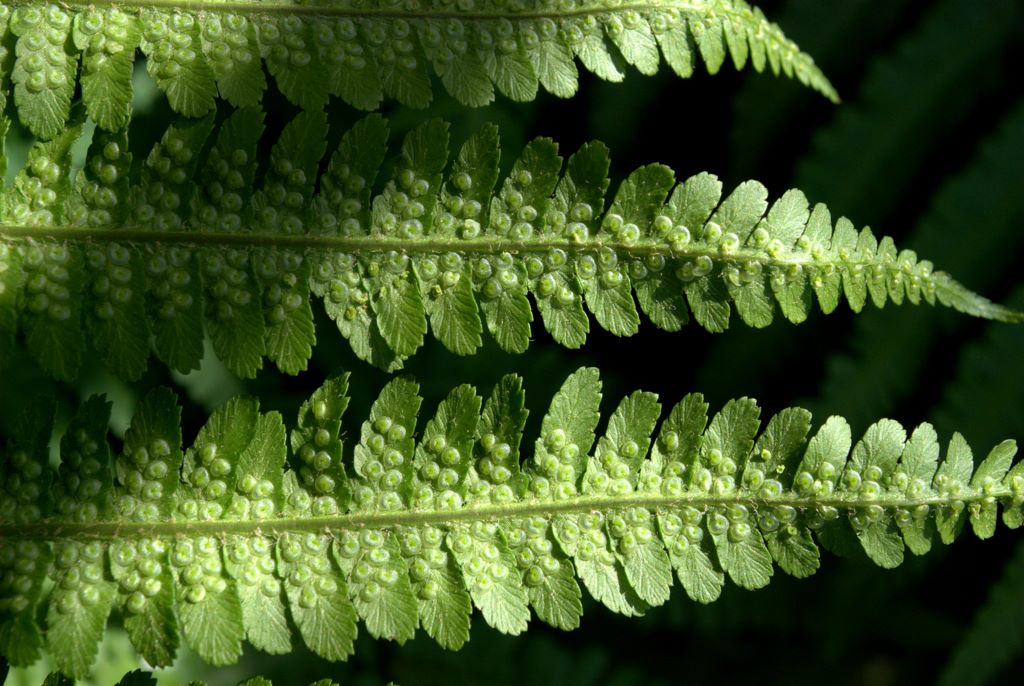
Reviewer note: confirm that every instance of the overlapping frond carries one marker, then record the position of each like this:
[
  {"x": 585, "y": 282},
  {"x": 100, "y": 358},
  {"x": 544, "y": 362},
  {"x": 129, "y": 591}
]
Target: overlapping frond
[
  {"x": 366, "y": 50},
  {"x": 419, "y": 523},
  {"x": 193, "y": 247}
]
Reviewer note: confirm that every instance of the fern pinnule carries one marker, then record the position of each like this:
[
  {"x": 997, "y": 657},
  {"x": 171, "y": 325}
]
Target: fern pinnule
[
  {"x": 225, "y": 543},
  {"x": 364, "y": 52},
  {"x": 193, "y": 247}
]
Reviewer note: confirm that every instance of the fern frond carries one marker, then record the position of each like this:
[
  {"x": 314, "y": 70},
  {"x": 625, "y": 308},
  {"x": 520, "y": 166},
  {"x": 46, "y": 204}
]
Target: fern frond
[
  {"x": 363, "y": 52},
  {"x": 196, "y": 249},
  {"x": 222, "y": 543},
  {"x": 986, "y": 194}
]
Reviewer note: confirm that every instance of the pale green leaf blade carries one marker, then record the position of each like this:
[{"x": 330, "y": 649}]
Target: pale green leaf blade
[
  {"x": 258, "y": 494},
  {"x": 488, "y": 568},
  {"x": 146, "y": 598},
  {"x": 352, "y": 69},
  {"x": 556, "y": 68},
  {"x": 986, "y": 478},
  {"x": 289, "y": 49},
  {"x": 285, "y": 276},
  {"x": 794, "y": 550},
  {"x": 827, "y": 283},
  {"x": 107, "y": 39},
  {"x": 405, "y": 78},
  {"x": 569, "y": 425},
  {"x": 463, "y": 75},
  {"x": 317, "y": 595},
  {"x": 596, "y": 565},
  {"x": 707, "y": 33},
  {"x": 919, "y": 461},
  {"x": 180, "y": 72},
  {"x": 444, "y": 604},
  {"x": 882, "y": 543},
  {"x": 211, "y": 614},
  {"x": 634, "y": 39},
  {"x": 51, "y": 316},
  {"x": 556, "y": 599},
  {"x": 741, "y": 551},
  {"x": 646, "y": 564},
  {"x": 229, "y": 43},
  {"x": 455, "y": 317},
  {"x": 173, "y": 291},
  {"x": 952, "y": 476},
  {"x": 77, "y": 616},
  {"x": 233, "y": 316},
  {"x": 699, "y": 575},
  {"x": 444, "y": 454},
  {"x": 84, "y": 592},
  {"x": 610, "y": 298},
  {"x": 546, "y": 572},
  {"x": 114, "y": 306},
  {"x": 1013, "y": 514},
  {"x": 379, "y": 583},
  {"x": 44, "y": 68},
  {"x": 825, "y": 457},
  {"x": 260, "y": 593},
  {"x": 153, "y": 438}
]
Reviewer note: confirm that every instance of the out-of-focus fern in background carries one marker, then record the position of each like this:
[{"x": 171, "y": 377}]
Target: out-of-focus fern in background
[{"x": 928, "y": 147}]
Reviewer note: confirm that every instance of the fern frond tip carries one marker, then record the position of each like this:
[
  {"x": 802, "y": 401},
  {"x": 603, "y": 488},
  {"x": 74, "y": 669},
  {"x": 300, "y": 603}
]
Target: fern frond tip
[{"x": 366, "y": 52}]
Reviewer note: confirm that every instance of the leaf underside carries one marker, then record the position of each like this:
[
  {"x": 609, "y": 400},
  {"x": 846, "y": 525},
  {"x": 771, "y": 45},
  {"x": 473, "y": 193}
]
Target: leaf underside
[
  {"x": 367, "y": 52},
  {"x": 239, "y": 539},
  {"x": 196, "y": 246}
]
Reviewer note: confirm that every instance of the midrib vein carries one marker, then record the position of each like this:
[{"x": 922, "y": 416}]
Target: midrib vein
[
  {"x": 370, "y": 245},
  {"x": 328, "y": 9},
  {"x": 112, "y": 530}
]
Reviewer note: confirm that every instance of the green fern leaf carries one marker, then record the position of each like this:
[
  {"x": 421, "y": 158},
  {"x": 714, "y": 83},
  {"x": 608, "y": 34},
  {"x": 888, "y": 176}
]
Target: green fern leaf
[
  {"x": 107, "y": 38},
  {"x": 44, "y": 68},
  {"x": 52, "y": 303},
  {"x": 365, "y": 53},
  {"x": 198, "y": 251},
  {"x": 169, "y": 40},
  {"x": 233, "y": 317},
  {"x": 225, "y": 543},
  {"x": 172, "y": 284}
]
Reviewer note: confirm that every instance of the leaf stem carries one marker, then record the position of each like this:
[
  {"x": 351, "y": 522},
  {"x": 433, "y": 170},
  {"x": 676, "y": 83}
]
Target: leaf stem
[
  {"x": 656, "y": 503},
  {"x": 359, "y": 245}
]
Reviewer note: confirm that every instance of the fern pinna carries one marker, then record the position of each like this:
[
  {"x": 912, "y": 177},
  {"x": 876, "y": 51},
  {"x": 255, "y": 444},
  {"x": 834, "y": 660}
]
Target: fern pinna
[
  {"x": 193, "y": 247},
  {"x": 413, "y": 527},
  {"x": 365, "y": 50}
]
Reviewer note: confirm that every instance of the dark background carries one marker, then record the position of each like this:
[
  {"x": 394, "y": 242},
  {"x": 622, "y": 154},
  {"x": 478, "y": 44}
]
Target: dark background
[{"x": 927, "y": 147}]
